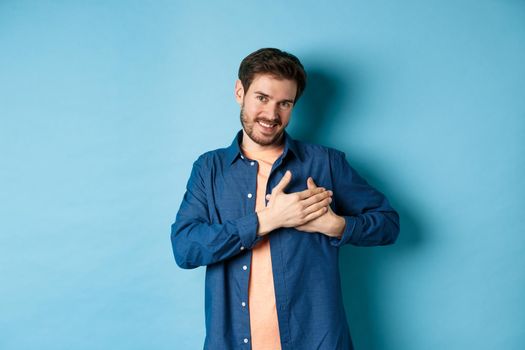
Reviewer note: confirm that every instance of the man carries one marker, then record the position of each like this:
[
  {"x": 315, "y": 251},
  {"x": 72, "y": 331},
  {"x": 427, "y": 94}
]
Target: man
[{"x": 267, "y": 216}]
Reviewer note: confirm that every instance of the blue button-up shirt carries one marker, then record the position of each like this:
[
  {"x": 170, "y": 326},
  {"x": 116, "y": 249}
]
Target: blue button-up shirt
[{"x": 216, "y": 227}]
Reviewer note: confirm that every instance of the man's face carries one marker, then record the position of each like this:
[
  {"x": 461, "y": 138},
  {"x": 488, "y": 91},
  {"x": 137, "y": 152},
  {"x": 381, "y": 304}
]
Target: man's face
[{"x": 266, "y": 107}]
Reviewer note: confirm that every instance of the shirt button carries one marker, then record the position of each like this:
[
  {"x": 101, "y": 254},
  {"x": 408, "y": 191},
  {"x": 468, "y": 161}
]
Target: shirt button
[
  {"x": 243, "y": 304},
  {"x": 245, "y": 340},
  {"x": 245, "y": 267},
  {"x": 242, "y": 248},
  {"x": 250, "y": 195},
  {"x": 252, "y": 163},
  {"x": 242, "y": 157}
]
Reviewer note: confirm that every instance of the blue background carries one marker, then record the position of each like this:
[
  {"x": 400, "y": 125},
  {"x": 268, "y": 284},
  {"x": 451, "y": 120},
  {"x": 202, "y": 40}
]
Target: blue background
[{"x": 104, "y": 106}]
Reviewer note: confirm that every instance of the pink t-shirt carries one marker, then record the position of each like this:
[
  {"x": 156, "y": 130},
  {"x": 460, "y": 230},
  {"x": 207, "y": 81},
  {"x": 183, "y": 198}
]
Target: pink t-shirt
[{"x": 261, "y": 294}]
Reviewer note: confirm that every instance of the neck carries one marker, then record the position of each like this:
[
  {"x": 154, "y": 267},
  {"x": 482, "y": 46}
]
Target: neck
[{"x": 249, "y": 145}]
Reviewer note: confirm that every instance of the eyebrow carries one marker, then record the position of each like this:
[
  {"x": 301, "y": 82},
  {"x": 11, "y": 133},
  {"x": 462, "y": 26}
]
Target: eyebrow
[{"x": 266, "y": 95}]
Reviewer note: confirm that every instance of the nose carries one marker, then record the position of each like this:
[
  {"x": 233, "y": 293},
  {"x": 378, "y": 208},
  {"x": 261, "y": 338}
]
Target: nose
[{"x": 272, "y": 111}]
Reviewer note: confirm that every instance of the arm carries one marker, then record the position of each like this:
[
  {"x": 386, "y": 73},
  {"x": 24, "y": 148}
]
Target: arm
[
  {"x": 365, "y": 216},
  {"x": 369, "y": 218},
  {"x": 197, "y": 242}
]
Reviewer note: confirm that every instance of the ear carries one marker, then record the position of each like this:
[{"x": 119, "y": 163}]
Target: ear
[{"x": 239, "y": 92}]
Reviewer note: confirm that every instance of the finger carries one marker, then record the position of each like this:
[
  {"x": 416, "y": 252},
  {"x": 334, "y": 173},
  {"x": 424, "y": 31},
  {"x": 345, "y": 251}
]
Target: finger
[
  {"x": 310, "y": 183},
  {"x": 310, "y": 192},
  {"x": 287, "y": 177},
  {"x": 318, "y": 205},
  {"x": 268, "y": 197},
  {"x": 315, "y": 198},
  {"x": 314, "y": 215}
]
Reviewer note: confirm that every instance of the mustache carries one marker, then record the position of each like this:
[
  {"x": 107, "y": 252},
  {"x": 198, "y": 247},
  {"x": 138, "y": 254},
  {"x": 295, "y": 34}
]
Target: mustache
[{"x": 269, "y": 121}]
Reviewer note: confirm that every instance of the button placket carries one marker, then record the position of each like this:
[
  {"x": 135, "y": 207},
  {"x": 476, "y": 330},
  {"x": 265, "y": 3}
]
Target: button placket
[{"x": 250, "y": 195}]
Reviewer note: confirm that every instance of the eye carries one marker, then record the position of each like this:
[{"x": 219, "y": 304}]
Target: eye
[
  {"x": 286, "y": 105},
  {"x": 261, "y": 98}
]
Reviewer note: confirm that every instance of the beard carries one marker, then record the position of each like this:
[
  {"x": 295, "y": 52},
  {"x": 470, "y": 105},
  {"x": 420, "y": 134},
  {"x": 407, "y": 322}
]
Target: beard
[{"x": 263, "y": 140}]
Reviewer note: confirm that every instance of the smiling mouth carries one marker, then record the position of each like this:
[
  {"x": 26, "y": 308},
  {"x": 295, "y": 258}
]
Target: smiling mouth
[{"x": 267, "y": 125}]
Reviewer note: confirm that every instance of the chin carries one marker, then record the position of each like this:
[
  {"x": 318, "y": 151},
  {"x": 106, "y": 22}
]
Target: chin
[{"x": 268, "y": 140}]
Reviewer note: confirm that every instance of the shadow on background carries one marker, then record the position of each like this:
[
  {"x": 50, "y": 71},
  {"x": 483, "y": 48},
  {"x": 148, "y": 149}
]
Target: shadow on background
[{"x": 362, "y": 268}]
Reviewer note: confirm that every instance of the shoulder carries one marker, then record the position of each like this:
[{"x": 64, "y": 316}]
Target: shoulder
[
  {"x": 212, "y": 157},
  {"x": 313, "y": 150}
]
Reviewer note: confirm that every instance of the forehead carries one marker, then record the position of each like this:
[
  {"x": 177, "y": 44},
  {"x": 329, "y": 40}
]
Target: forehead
[{"x": 275, "y": 87}]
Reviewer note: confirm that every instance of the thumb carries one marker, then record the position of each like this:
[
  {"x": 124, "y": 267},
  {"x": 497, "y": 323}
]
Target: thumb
[
  {"x": 310, "y": 183},
  {"x": 283, "y": 183}
]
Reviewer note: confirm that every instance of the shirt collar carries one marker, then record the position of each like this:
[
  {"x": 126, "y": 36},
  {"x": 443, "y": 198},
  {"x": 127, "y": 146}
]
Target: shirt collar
[{"x": 233, "y": 152}]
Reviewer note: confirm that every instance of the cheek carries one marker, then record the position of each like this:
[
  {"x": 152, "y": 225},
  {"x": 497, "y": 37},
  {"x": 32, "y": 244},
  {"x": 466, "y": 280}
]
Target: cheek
[
  {"x": 252, "y": 110},
  {"x": 285, "y": 117}
]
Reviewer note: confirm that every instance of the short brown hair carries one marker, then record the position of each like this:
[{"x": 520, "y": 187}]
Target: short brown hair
[{"x": 280, "y": 64}]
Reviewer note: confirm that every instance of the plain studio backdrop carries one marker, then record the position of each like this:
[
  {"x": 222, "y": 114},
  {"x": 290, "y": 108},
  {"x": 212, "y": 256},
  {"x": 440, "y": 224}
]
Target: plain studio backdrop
[{"x": 104, "y": 106}]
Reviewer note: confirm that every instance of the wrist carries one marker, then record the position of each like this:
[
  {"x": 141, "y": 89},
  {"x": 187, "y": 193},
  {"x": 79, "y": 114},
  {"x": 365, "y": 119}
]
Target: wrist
[
  {"x": 338, "y": 226},
  {"x": 266, "y": 222}
]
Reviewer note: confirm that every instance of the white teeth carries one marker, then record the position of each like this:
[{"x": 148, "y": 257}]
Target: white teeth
[{"x": 266, "y": 125}]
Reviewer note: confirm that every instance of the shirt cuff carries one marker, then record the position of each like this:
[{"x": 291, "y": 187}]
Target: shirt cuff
[
  {"x": 247, "y": 228},
  {"x": 350, "y": 233}
]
